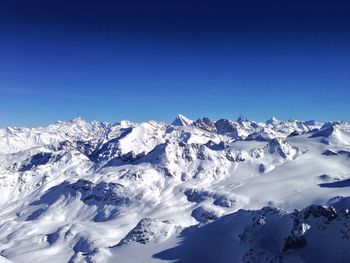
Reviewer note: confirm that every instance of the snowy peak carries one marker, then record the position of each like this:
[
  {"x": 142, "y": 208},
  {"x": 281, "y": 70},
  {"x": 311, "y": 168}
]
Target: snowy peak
[
  {"x": 281, "y": 147},
  {"x": 18, "y": 139},
  {"x": 224, "y": 126},
  {"x": 326, "y": 130},
  {"x": 205, "y": 124},
  {"x": 242, "y": 118},
  {"x": 264, "y": 134},
  {"x": 181, "y": 120},
  {"x": 130, "y": 142},
  {"x": 81, "y": 187},
  {"x": 272, "y": 121},
  {"x": 334, "y": 133}
]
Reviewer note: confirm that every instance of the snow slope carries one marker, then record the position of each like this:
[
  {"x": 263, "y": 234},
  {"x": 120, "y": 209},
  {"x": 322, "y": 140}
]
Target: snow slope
[{"x": 151, "y": 192}]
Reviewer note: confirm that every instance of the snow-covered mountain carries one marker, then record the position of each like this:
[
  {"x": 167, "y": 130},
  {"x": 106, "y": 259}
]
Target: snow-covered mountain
[{"x": 190, "y": 191}]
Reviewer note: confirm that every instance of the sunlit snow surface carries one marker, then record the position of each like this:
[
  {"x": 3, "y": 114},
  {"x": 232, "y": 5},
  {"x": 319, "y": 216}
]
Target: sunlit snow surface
[{"x": 192, "y": 191}]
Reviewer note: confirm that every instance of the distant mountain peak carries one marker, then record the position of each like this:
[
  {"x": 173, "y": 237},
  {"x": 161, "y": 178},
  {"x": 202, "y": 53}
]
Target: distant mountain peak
[
  {"x": 143, "y": 183},
  {"x": 77, "y": 119},
  {"x": 205, "y": 124},
  {"x": 242, "y": 119},
  {"x": 281, "y": 147},
  {"x": 74, "y": 120},
  {"x": 326, "y": 130},
  {"x": 273, "y": 121},
  {"x": 181, "y": 120}
]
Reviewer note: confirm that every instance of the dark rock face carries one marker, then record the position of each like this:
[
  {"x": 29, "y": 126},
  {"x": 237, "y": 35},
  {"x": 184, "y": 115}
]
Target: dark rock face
[
  {"x": 197, "y": 196},
  {"x": 86, "y": 148},
  {"x": 315, "y": 234},
  {"x": 108, "y": 193},
  {"x": 329, "y": 213},
  {"x": 329, "y": 153},
  {"x": 257, "y": 136},
  {"x": 224, "y": 201},
  {"x": 215, "y": 146},
  {"x": 242, "y": 119},
  {"x": 181, "y": 120},
  {"x": 294, "y": 133},
  {"x": 36, "y": 160},
  {"x": 131, "y": 157},
  {"x": 204, "y": 215},
  {"x": 235, "y": 156},
  {"x": 326, "y": 130},
  {"x": 140, "y": 234},
  {"x": 205, "y": 124},
  {"x": 279, "y": 146},
  {"x": 148, "y": 230},
  {"x": 110, "y": 149},
  {"x": 294, "y": 242},
  {"x": 298, "y": 238},
  {"x": 224, "y": 126}
]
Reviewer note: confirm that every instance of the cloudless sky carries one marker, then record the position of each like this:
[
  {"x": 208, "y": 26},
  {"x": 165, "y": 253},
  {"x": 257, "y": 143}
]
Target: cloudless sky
[{"x": 141, "y": 60}]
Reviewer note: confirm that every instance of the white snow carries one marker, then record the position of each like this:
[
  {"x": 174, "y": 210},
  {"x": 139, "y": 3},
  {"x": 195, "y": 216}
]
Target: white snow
[{"x": 73, "y": 190}]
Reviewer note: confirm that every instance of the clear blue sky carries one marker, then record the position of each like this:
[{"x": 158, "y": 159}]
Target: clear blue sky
[{"x": 140, "y": 60}]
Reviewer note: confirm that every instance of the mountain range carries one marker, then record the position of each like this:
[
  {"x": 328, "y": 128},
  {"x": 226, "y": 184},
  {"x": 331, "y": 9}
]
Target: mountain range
[{"x": 189, "y": 191}]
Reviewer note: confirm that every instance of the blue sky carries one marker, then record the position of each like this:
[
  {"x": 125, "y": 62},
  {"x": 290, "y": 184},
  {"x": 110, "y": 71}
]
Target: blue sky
[{"x": 140, "y": 61}]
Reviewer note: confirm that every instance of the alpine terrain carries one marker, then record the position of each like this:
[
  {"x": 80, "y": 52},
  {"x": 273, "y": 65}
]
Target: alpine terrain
[{"x": 189, "y": 191}]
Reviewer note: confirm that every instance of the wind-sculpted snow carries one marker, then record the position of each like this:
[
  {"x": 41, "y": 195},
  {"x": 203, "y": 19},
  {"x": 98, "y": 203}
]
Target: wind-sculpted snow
[
  {"x": 100, "y": 195},
  {"x": 96, "y": 192}
]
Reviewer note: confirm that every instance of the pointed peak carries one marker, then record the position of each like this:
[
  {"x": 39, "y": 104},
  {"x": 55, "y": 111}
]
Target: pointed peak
[
  {"x": 181, "y": 120},
  {"x": 204, "y": 119},
  {"x": 326, "y": 130},
  {"x": 242, "y": 119},
  {"x": 79, "y": 121},
  {"x": 273, "y": 121},
  {"x": 206, "y": 124},
  {"x": 281, "y": 147}
]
